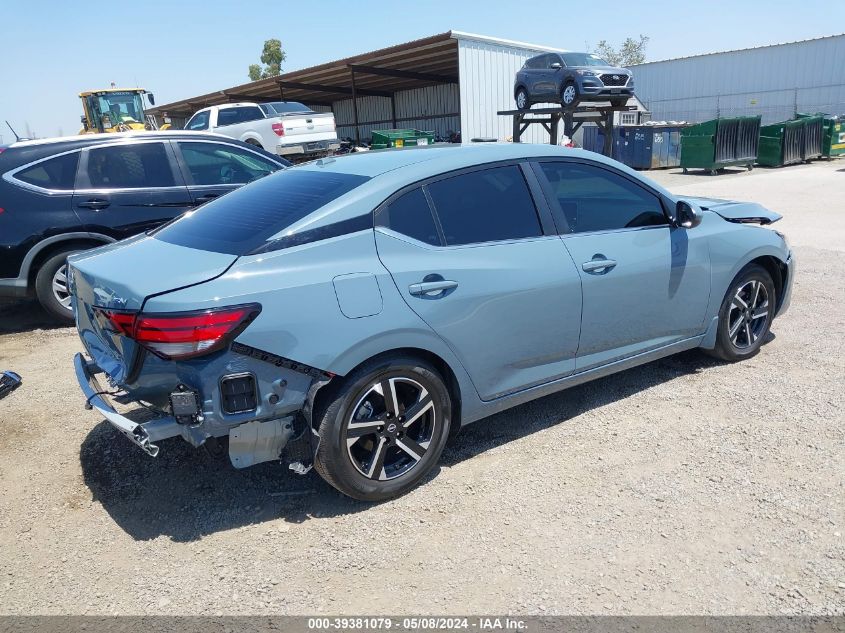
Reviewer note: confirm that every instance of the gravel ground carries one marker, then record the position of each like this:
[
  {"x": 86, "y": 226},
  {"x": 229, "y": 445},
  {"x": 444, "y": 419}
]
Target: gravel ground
[{"x": 684, "y": 486}]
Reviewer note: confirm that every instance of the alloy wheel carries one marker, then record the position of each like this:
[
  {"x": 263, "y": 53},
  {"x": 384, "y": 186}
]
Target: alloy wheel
[
  {"x": 521, "y": 100},
  {"x": 391, "y": 428},
  {"x": 60, "y": 289},
  {"x": 569, "y": 94},
  {"x": 747, "y": 315}
]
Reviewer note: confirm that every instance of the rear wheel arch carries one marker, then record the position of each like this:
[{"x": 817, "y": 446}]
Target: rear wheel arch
[
  {"x": 324, "y": 396},
  {"x": 41, "y": 252}
]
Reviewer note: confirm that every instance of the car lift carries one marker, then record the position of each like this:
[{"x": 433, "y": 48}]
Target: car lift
[{"x": 601, "y": 115}]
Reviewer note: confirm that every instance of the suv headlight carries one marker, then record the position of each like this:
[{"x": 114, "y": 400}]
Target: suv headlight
[{"x": 587, "y": 73}]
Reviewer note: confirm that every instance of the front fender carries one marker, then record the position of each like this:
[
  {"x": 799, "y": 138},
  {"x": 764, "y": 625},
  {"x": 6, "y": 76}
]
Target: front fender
[{"x": 725, "y": 262}]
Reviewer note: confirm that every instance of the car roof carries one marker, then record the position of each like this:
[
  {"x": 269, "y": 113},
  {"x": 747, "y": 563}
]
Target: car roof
[
  {"x": 22, "y": 152},
  {"x": 92, "y": 139},
  {"x": 390, "y": 170}
]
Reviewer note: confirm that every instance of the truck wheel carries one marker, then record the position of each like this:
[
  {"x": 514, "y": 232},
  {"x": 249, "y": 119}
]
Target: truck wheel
[
  {"x": 384, "y": 428},
  {"x": 252, "y": 141},
  {"x": 51, "y": 287}
]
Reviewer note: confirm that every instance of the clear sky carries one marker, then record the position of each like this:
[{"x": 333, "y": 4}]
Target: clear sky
[{"x": 53, "y": 49}]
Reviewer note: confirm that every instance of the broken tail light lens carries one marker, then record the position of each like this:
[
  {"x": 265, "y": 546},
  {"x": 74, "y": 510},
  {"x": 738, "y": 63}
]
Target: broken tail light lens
[{"x": 180, "y": 335}]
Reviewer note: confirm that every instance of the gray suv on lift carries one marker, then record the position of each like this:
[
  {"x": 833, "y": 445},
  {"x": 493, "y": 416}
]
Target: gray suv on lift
[{"x": 569, "y": 78}]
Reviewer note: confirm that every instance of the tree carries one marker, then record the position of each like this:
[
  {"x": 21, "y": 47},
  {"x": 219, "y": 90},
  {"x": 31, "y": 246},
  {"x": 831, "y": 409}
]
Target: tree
[
  {"x": 631, "y": 52},
  {"x": 272, "y": 57}
]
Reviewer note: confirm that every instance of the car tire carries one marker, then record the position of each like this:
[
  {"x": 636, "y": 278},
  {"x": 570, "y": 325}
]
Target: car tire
[
  {"x": 745, "y": 315},
  {"x": 51, "y": 287},
  {"x": 569, "y": 95},
  {"x": 252, "y": 141},
  {"x": 369, "y": 449},
  {"x": 522, "y": 100}
]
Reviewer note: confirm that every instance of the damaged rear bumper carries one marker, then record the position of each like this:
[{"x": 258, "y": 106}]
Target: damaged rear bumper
[{"x": 143, "y": 435}]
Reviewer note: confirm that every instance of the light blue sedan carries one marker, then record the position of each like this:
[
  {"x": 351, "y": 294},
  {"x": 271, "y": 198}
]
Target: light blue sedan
[{"x": 351, "y": 314}]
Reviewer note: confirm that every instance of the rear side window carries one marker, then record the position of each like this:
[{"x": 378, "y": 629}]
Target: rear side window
[
  {"x": 595, "y": 199},
  {"x": 219, "y": 164},
  {"x": 410, "y": 215},
  {"x": 242, "y": 221},
  {"x": 198, "y": 122},
  {"x": 485, "y": 206},
  {"x": 132, "y": 166},
  {"x": 227, "y": 117},
  {"x": 56, "y": 173}
]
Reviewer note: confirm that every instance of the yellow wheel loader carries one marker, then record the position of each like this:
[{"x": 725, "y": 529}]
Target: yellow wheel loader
[{"x": 116, "y": 110}]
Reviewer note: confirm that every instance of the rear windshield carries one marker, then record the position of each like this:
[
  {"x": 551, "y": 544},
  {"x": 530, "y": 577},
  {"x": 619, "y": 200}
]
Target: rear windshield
[
  {"x": 244, "y": 219},
  {"x": 284, "y": 107}
]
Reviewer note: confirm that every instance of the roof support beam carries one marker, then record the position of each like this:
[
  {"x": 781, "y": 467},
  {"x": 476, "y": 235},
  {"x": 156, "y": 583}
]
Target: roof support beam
[
  {"x": 403, "y": 74},
  {"x": 333, "y": 89}
]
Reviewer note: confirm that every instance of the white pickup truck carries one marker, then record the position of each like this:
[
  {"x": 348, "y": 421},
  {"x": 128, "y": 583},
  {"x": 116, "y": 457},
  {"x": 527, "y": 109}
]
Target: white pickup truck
[{"x": 285, "y": 128}]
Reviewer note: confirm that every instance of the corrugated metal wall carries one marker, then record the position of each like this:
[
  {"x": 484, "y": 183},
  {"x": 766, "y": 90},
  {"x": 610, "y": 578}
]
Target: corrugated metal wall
[
  {"x": 431, "y": 108},
  {"x": 773, "y": 81},
  {"x": 487, "y": 72}
]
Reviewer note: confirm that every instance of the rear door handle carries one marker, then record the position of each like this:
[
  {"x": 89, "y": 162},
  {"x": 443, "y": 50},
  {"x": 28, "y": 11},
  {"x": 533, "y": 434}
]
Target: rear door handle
[
  {"x": 96, "y": 204},
  {"x": 598, "y": 264},
  {"x": 432, "y": 289}
]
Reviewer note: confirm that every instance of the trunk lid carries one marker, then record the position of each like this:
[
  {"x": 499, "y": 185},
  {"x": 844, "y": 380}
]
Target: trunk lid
[
  {"x": 733, "y": 211},
  {"x": 121, "y": 276}
]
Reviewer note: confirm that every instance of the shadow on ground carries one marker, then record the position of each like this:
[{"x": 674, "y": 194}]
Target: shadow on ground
[
  {"x": 186, "y": 493},
  {"x": 25, "y": 315}
]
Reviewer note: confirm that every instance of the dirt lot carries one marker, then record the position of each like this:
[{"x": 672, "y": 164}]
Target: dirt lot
[{"x": 684, "y": 486}]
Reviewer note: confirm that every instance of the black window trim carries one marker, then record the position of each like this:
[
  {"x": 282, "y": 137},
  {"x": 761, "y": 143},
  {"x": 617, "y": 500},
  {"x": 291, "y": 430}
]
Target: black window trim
[
  {"x": 544, "y": 213},
  {"x": 83, "y": 182},
  {"x": 10, "y": 178},
  {"x": 560, "y": 217},
  {"x": 186, "y": 172}
]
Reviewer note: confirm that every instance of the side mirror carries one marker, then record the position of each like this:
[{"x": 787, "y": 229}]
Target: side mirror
[
  {"x": 555, "y": 66},
  {"x": 686, "y": 215},
  {"x": 152, "y": 98}
]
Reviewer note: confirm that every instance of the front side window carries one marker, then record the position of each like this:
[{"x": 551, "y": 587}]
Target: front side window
[
  {"x": 410, "y": 215},
  {"x": 56, "y": 173},
  {"x": 219, "y": 164},
  {"x": 596, "y": 199},
  {"x": 484, "y": 206},
  {"x": 198, "y": 122},
  {"x": 243, "y": 220},
  {"x": 130, "y": 166}
]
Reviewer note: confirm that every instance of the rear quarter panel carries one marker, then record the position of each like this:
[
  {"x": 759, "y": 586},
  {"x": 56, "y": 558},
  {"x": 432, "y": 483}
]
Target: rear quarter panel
[{"x": 301, "y": 318}]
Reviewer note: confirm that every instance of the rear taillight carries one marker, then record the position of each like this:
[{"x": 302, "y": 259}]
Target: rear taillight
[
  {"x": 180, "y": 335},
  {"x": 279, "y": 129}
]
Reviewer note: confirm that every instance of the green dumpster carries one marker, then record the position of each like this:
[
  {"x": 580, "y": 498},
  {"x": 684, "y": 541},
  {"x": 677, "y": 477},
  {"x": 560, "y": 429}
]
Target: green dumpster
[
  {"x": 719, "y": 143},
  {"x": 400, "y": 138},
  {"x": 833, "y": 140},
  {"x": 790, "y": 142}
]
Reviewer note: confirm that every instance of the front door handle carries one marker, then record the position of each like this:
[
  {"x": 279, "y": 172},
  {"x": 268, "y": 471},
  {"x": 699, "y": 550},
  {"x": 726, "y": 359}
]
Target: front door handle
[
  {"x": 432, "y": 289},
  {"x": 598, "y": 265},
  {"x": 95, "y": 203},
  {"x": 206, "y": 198}
]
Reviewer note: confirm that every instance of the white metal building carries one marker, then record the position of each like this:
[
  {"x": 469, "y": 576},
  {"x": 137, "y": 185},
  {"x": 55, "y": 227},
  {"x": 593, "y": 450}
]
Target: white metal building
[
  {"x": 774, "y": 81},
  {"x": 449, "y": 82}
]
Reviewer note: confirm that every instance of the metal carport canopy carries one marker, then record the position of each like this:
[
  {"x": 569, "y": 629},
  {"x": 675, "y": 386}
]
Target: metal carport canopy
[{"x": 424, "y": 62}]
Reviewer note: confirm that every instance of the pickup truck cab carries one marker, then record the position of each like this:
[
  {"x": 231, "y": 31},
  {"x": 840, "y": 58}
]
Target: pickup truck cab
[{"x": 285, "y": 128}]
